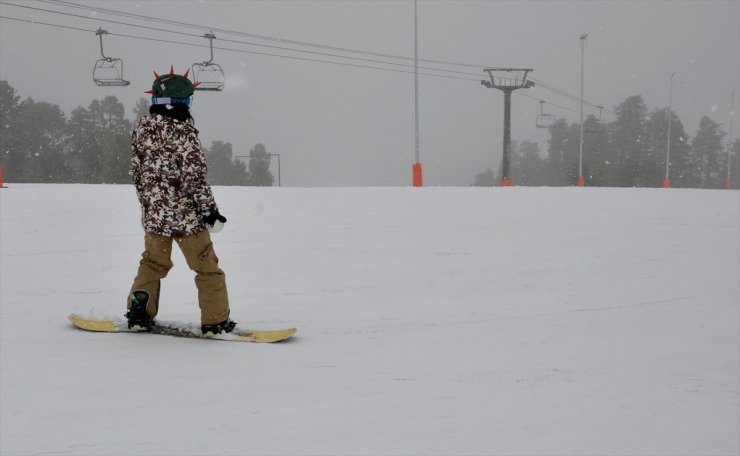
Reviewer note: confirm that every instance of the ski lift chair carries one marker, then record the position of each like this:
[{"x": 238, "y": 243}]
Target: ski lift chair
[
  {"x": 208, "y": 75},
  {"x": 544, "y": 120},
  {"x": 108, "y": 71},
  {"x": 598, "y": 126}
]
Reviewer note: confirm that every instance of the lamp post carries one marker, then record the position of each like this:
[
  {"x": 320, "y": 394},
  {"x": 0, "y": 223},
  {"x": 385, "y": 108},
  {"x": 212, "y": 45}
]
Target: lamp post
[
  {"x": 667, "y": 181},
  {"x": 581, "y": 179}
]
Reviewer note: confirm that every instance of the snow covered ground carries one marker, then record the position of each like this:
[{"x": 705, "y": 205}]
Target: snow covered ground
[{"x": 534, "y": 321}]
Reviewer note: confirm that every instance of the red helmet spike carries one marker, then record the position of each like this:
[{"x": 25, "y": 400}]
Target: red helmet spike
[
  {"x": 196, "y": 84},
  {"x": 186, "y": 73},
  {"x": 172, "y": 70},
  {"x": 151, "y": 92},
  {"x": 156, "y": 76}
]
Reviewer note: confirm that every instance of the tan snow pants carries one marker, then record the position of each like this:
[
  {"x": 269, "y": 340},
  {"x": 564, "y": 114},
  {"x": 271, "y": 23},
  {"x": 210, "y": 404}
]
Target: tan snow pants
[{"x": 210, "y": 280}]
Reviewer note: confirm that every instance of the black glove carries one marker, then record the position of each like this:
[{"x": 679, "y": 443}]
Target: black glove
[{"x": 215, "y": 222}]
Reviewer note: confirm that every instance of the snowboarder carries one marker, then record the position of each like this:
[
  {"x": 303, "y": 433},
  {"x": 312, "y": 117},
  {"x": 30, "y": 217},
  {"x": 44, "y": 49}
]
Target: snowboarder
[{"x": 169, "y": 172}]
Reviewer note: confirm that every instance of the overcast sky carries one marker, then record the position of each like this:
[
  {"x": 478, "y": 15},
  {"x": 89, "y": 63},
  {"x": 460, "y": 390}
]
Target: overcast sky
[{"x": 337, "y": 125}]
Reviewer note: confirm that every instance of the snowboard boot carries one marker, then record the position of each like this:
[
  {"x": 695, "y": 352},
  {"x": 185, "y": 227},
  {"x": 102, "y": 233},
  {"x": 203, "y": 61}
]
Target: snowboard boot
[
  {"x": 225, "y": 326},
  {"x": 138, "y": 319}
]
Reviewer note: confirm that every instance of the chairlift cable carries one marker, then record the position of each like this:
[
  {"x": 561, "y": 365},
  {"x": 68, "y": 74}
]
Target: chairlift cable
[
  {"x": 35, "y": 22},
  {"x": 237, "y": 41},
  {"x": 276, "y": 47},
  {"x": 303, "y": 43},
  {"x": 159, "y": 40},
  {"x": 251, "y": 35}
]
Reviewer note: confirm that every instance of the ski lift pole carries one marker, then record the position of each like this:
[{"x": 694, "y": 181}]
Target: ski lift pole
[{"x": 507, "y": 85}]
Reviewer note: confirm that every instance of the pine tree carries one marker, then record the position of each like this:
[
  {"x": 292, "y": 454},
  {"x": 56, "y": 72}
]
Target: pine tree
[
  {"x": 561, "y": 164},
  {"x": 141, "y": 109},
  {"x": 222, "y": 169},
  {"x": 11, "y": 159},
  {"x": 658, "y": 148},
  {"x": 629, "y": 143},
  {"x": 113, "y": 132},
  {"x": 596, "y": 164},
  {"x": 527, "y": 164},
  {"x": 40, "y": 129},
  {"x": 707, "y": 159},
  {"x": 734, "y": 159},
  {"x": 259, "y": 167},
  {"x": 82, "y": 150},
  {"x": 484, "y": 179}
]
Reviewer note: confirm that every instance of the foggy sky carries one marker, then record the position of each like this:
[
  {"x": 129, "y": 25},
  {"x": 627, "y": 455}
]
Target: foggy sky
[{"x": 337, "y": 125}]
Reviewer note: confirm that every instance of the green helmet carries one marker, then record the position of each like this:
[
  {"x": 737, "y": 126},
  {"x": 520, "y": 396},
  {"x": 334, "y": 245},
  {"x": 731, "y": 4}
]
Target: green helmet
[{"x": 171, "y": 88}]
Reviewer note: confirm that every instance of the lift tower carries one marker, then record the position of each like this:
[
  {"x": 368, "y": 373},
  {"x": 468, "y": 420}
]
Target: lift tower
[{"x": 507, "y": 85}]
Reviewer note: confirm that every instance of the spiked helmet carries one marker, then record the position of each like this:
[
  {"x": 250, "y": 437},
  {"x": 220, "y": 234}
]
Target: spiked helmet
[{"x": 172, "y": 88}]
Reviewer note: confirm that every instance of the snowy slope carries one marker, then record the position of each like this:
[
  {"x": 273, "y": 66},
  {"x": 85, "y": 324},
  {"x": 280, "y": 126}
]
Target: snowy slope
[{"x": 431, "y": 321}]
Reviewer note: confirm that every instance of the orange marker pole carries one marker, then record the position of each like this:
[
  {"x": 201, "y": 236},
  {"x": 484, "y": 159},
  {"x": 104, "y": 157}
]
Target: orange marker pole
[{"x": 418, "y": 175}]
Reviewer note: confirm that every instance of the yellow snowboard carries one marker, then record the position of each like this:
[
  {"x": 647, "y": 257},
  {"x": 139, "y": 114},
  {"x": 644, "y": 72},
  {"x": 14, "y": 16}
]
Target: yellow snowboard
[{"x": 169, "y": 328}]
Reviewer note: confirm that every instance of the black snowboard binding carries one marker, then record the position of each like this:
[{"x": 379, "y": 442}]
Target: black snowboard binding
[
  {"x": 226, "y": 326},
  {"x": 138, "y": 319}
]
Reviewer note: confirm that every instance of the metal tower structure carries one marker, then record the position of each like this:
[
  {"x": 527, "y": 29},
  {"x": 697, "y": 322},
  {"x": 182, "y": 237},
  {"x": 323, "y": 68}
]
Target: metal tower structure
[{"x": 507, "y": 85}]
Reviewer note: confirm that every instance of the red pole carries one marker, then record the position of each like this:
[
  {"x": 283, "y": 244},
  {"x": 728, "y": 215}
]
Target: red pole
[
  {"x": 418, "y": 176},
  {"x": 581, "y": 181},
  {"x": 666, "y": 183}
]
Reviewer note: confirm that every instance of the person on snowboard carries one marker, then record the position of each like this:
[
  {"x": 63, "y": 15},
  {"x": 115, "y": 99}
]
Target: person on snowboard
[{"x": 169, "y": 172}]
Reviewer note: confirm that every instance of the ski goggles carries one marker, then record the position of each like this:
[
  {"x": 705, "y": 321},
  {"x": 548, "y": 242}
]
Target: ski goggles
[{"x": 171, "y": 101}]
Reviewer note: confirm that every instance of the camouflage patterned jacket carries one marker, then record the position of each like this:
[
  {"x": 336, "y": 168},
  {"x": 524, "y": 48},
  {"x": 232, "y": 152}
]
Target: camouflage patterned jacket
[{"x": 169, "y": 173}]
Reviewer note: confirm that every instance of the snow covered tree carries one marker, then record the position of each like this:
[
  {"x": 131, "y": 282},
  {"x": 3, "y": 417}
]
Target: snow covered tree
[
  {"x": 658, "y": 148},
  {"x": 81, "y": 146},
  {"x": 527, "y": 165},
  {"x": 484, "y": 179},
  {"x": 141, "y": 109},
  {"x": 114, "y": 136},
  {"x": 735, "y": 163},
  {"x": 707, "y": 158},
  {"x": 561, "y": 163},
  {"x": 629, "y": 143},
  {"x": 596, "y": 156},
  {"x": 259, "y": 167},
  {"x": 10, "y": 157},
  {"x": 40, "y": 129},
  {"x": 222, "y": 169}
]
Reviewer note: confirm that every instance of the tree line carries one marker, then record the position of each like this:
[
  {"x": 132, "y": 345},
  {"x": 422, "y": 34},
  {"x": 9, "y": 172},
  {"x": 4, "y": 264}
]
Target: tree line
[
  {"x": 40, "y": 143},
  {"x": 630, "y": 151}
]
